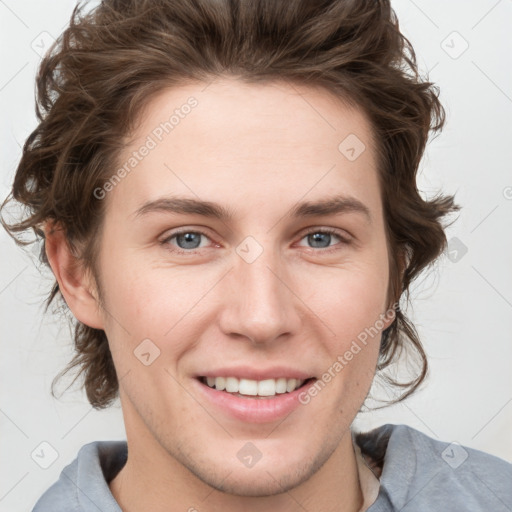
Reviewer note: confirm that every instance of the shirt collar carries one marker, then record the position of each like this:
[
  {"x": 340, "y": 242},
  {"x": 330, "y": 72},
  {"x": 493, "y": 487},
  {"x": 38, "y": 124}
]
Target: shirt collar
[{"x": 369, "y": 483}]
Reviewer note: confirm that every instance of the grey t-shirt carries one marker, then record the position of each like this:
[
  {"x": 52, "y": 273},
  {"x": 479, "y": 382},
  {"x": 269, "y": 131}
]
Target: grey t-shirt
[{"x": 418, "y": 474}]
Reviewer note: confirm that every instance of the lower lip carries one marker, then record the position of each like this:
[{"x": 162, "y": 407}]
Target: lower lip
[{"x": 253, "y": 410}]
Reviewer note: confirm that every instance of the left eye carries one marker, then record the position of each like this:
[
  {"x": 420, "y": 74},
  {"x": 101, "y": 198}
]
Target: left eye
[
  {"x": 321, "y": 239},
  {"x": 188, "y": 240}
]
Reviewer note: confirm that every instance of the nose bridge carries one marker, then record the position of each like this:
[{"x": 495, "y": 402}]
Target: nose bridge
[
  {"x": 264, "y": 291},
  {"x": 261, "y": 308}
]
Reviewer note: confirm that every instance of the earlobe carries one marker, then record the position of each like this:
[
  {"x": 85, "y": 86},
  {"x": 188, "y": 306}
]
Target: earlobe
[{"x": 76, "y": 283}]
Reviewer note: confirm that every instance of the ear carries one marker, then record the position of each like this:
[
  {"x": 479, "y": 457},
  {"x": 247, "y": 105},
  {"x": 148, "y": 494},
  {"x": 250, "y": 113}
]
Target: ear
[{"x": 76, "y": 283}]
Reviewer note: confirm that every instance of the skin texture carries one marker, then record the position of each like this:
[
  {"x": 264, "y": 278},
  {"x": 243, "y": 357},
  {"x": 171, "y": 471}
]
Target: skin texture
[{"x": 257, "y": 150}]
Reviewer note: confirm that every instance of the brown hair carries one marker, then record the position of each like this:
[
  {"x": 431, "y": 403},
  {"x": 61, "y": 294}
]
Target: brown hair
[{"x": 112, "y": 60}]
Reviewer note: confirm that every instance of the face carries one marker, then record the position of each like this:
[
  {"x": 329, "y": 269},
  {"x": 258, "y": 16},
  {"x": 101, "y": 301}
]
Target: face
[{"x": 245, "y": 248}]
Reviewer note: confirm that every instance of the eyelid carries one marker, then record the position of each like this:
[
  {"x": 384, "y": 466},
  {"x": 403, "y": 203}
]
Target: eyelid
[
  {"x": 343, "y": 235},
  {"x": 170, "y": 233},
  {"x": 164, "y": 240}
]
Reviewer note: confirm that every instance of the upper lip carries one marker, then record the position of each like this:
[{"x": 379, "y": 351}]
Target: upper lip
[{"x": 249, "y": 372}]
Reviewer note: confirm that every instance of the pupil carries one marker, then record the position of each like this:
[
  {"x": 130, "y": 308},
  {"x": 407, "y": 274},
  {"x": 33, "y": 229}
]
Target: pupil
[
  {"x": 319, "y": 239},
  {"x": 188, "y": 240}
]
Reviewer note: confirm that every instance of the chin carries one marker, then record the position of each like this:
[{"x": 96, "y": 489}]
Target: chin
[
  {"x": 266, "y": 478},
  {"x": 266, "y": 481}
]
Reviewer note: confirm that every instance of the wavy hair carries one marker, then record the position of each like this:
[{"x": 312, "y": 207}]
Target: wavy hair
[{"x": 111, "y": 60}]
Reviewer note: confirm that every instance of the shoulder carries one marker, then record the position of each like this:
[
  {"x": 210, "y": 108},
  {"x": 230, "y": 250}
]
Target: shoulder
[
  {"x": 422, "y": 473},
  {"x": 83, "y": 484}
]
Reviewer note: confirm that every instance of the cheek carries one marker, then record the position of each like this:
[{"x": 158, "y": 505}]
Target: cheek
[
  {"x": 351, "y": 303},
  {"x": 352, "y": 309},
  {"x": 350, "y": 299},
  {"x": 143, "y": 301}
]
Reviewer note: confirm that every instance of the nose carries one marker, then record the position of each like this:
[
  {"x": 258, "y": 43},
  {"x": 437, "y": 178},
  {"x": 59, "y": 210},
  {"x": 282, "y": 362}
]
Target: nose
[{"x": 259, "y": 304}]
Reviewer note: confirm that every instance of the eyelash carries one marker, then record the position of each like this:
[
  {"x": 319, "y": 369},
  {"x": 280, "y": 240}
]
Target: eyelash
[{"x": 329, "y": 231}]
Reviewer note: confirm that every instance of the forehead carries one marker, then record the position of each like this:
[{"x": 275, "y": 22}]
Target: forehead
[{"x": 229, "y": 141}]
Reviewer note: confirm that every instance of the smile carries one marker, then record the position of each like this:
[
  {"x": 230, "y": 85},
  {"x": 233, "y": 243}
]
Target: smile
[
  {"x": 253, "y": 388},
  {"x": 252, "y": 401}
]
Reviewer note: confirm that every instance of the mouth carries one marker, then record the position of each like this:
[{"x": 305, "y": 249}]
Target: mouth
[
  {"x": 253, "y": 394},
  {"x": 255, "y": 389}
]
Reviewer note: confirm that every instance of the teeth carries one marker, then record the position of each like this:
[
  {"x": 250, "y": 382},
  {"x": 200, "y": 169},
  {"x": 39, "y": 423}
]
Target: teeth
[
  {"x": 232, "y": 385},
  {"x": 291, "y": 384},
  {"x": 248, "y": 387},
  {"x": 281, "y": 385},
  {"x": 267, "y": 387},
  {"x": 220, "y": 383}
]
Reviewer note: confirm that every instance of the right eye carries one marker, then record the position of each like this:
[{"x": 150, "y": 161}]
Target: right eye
[{"x": 186, "y": 241}]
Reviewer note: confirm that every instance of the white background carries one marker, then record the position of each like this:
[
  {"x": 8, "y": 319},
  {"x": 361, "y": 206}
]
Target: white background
[{"x": 463, "y": 309}]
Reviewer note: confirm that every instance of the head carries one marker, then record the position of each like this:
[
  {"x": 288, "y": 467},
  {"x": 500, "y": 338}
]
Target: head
[{"x": 233, "y": 184}]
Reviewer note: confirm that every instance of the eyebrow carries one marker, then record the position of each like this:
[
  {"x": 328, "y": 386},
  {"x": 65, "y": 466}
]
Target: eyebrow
[
  {"x": 178, "y": 205},
  {"x": 183, "y": 206},
  {"x": 331, "y": 206}
]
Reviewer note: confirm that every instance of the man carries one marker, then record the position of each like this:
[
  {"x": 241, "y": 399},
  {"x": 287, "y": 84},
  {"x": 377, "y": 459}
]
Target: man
[{"x": 228, "y": 201}]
